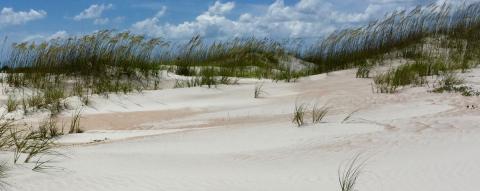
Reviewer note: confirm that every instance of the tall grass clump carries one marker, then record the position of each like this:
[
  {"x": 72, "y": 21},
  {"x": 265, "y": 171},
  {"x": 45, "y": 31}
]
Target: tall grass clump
[
  {"x": 5, "y": 127},
  {"x": 49, "y": 128},
  {"x": 401, "y": 34},
  {"x": 349, "y": 174},
  {"x": 11, "y": 104},
  {"x": 4, "y": 168},
  {"x": 20, "y": 143},
  {"x": 238, "y": 57},
  {"x": 363, "y": 70},
  {"x": 299, "y": 113},
  {"x": 31, "y": 143},
  {"x": 103, "y": 62},
  {"x": 75, "y": 122},
  {"x": 450, "y": 82},
  {"x": 3, "y": 172},
  {"x": 318, "y": 113},
  {"x": 434, "y": 38},
  {"x": 258, "y": 91}
]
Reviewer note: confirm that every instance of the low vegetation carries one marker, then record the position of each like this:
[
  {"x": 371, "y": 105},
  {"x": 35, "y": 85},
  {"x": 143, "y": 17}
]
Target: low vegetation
[
  {"x": 26, "y": 143},
  {"x": 299, "y": 114},
  {"x": 318, "y": 113},
  {"x": 12, "y": 104},
  {"x": 301, "y": 111},
  {"x": 433, "y": 40},
  {"x": 75, "y": 122},
  {"x": 49, "y": 129},
  {"x": 348, "y": 175},
  {"x": 258, "y": 92}
]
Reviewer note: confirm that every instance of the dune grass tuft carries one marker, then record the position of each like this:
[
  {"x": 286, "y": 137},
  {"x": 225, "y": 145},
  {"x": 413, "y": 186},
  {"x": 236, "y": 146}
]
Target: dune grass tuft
[
  {"x": 75, "y": 122},
  {"x": 349, "y": 174},
  {"x": 258, "y": 91},
  {"x": 12, "y": 104},
  {"x": 318, "y": 113},
  {"x": 299, "y": 113}
]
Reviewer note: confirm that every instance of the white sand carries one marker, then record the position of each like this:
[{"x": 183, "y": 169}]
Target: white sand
[{"x": 224, "y": 139}]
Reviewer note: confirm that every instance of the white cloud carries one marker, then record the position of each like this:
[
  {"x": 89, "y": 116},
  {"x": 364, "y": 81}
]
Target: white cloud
[
  {"x": 101, "y": 21},
  {"x": 58, "y": 35},
  {"x": 118, "y": 19},
  {"x": 33, "y": 38},
  {"x": 306, "y": 18},
  {"x": 9, "y": 17},
  {"x": 221, "y": 8},
  {"x": 206, "y": 24},
  {"x": 95, "y": 11},
  {"x": 162, "y": 12},
  {"x": 42, "y": 37}
]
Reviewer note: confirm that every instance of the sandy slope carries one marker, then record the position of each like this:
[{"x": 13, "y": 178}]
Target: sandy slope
[{"x": 224, "y": 139}]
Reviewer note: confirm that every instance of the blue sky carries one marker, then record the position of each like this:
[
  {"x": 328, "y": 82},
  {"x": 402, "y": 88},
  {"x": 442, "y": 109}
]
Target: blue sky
[{"x": 179, "y": 19}]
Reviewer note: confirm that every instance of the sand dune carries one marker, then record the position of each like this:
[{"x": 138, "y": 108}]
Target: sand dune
[{"x": 224, "y": 139}]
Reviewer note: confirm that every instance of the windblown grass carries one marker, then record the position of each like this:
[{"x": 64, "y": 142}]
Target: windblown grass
[
  {"x": 299, "y": 113},
  {"x": 318, "y": 113},
  {"x": 349, "y": 174},
  {"x": 434, "y": 39},
  {"x": 402, "y": 33},
  {"x": 12, "y": 104},
  {"x": 75, "y": 122},
  {"x": 258, "y": 91},
  {"x": 49, "y": 128}
]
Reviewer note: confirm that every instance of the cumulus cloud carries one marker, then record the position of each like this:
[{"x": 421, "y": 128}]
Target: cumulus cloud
[
  {"x": 221, "y": 8},
  {"x": 94, "y": 12},
  {"x": 101, "y": 21},
  {"x": 8, "y": 16},
  {"x": 205, "y": 24},
  {"x": 58, "y": 35},
  {"x": 304, "y": 19},
  {"x": 162, "y": 12},
  {"x": 42, "y": 37},
  {"x": 307, "y": 18}
]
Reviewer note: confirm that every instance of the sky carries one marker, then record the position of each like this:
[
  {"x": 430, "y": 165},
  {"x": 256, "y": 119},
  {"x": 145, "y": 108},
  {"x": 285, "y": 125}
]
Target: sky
[{"x": 27, "y": 20}]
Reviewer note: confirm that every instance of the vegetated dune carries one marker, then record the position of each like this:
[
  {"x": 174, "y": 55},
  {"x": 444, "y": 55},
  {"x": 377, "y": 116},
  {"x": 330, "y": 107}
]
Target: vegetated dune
[
  {"x": 224, "y": 139},
  {"x": 410, "y": 110}
]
